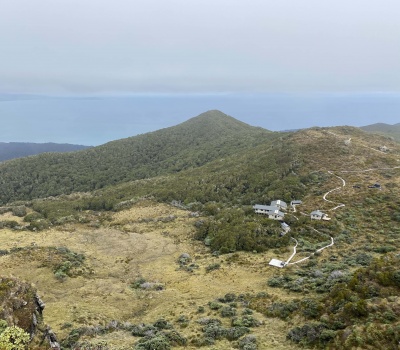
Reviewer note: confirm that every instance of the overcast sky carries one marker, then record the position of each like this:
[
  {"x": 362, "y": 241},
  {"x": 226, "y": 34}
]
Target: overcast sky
[
  {"x": 322, "y": 55},
  {"x": 103, "y": 46}
]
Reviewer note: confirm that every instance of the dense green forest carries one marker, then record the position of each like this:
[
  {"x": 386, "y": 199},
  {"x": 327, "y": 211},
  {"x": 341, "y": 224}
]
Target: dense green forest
[
  {"x": 286, "y": 166},
  {"x": 212, "y": 135},
  {"x": 13, "y": 150},
  {"x": 388, "y": 130},
  {"x": 248, "y": 177}
]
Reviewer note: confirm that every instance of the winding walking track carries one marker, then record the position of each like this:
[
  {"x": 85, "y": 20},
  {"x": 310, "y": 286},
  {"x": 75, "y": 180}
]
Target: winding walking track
[
  {"x": 340, "y": 205},
  {"x": 335, "y": 189}
]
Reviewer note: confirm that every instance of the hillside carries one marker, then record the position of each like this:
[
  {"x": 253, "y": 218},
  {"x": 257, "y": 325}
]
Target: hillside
[
  {"x": 388, "y": 130},
  {"x": 11, "y": 150},
  {"x": 278, "y": 168},
  {"x": 182, "y": 260},
  {"x": 209, "y": 136}
]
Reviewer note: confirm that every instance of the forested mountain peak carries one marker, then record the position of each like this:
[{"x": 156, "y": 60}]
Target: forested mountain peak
[
  {"x": 11, "y": 150},
  {"x": 204, "y": 127},
  {"x": 215, "y": 119},
  {"x": 377, "y": 125},
  {"x": 384, "y": 129},
  {"x": 209, "y": 136}
]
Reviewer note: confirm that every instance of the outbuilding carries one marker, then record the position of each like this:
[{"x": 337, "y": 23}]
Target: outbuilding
[
  {"x": 319, "y": 215},
  {"x": 280, "y": 204},
  {"x": 276, "y": 215},
  {"x": 264, "y": 209},
  {"x": 285, "y": 227}
]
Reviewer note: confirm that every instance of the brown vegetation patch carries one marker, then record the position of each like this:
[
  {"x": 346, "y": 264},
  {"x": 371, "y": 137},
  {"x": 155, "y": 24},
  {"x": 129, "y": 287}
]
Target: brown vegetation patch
[{"x": 119, "y": 257}]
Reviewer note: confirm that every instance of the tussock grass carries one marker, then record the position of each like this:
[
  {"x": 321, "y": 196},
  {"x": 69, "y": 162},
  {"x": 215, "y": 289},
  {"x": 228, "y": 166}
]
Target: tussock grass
[{"x": 118, "y": 256}]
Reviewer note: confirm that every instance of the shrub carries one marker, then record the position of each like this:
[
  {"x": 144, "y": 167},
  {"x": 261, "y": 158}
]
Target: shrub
[
  {"x": 384, "y": 249},
  {"x": 137, "y": 283},
  {"x": 245, "y": 321},
  {"x": 8, "y": 223},
  {"x": 184, "y": 262},
  {"x": 162, "y": 324},
  {"x": 19, "y": 211},
  {"x": 4, "y": 210},
  {"x": 175, "y": 338},
  {"x": 143, "y": 330},
  {"x": 184, "y": 259},
  {"x": 14, "y": 338},
  {"x": 228, "y": 311},
  {"x": 72, "y": 338},
  {"x": 141, "y": 283},
  {"x": 249, "y": 342},
  {"x": 363, "y": 259},
  {"x": 247, "y": 312},
  {"x": 60, "y": 275},
  {"x": 212, "y": 267},
  {"x": 281, "y": 310},
  {"x": 230, "y": 297},
  {"x": 71, "y": 264},
  {"x": 183, "y": 321},
  {"x": 3, "y": 325},
  {"x": 311, "y": 308},
  {"x": 39, "y": 225},
  {"x": 214, "y": 331},
  {"x": 235, "y": 333},
  {"x": 309, "y": 334},
  {"x": 213, "y": 305},
  {"x": 276, "y": 282},
  {"x": 327, "y": 335},
  {"x": 157, "y": 342}
]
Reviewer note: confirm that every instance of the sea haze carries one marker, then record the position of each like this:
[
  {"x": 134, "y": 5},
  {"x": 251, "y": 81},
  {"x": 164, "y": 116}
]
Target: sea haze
[{"x": 97, "y": 120}]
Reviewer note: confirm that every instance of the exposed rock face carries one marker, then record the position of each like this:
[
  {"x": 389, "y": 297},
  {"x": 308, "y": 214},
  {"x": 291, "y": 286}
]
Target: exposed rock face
[
  {"x": 21, "y": 306},
  {"x": 40, "y": 304}
]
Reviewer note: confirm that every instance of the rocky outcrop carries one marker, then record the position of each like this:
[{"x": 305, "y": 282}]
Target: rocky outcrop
[{"x": 21, "y": 306}]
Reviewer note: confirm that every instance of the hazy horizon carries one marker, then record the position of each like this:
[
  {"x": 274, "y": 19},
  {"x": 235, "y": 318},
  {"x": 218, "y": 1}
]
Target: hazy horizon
[
  {"x": 94, "y": 120},
  {"x": 122, "y": 68}
]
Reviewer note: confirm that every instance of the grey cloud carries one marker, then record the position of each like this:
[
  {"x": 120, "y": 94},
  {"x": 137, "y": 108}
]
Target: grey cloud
[{"x": 191, "y": 45}]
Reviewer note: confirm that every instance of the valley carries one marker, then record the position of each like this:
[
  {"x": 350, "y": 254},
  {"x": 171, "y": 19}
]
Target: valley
[
  {"x": 128, "y": 248},
  {"x": 162, "y": 256}
]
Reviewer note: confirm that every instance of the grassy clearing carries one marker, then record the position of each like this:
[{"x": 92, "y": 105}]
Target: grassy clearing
[{"x": 134, "y": 243}]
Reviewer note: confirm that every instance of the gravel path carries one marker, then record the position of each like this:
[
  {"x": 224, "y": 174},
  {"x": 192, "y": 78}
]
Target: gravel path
[
  {"x": 294, "y": 252},
  {"x": 341, "y": 205},
  {"x": 308, "y": 257}
]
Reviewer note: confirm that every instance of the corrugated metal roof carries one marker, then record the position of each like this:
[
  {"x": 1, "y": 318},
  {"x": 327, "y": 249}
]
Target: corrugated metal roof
[
  {"x": 317, "y": 213},
  {"x": 278, "y": 212},
  {"x": 265, "y": 207},
  {"x": 277, "y": 263},
  {"x": 279, "y": 203}
]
